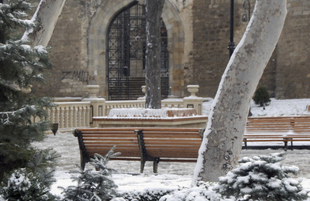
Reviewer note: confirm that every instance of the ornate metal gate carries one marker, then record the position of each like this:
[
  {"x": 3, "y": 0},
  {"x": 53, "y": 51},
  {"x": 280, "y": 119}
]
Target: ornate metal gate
[{"x": 126, "y": 55}]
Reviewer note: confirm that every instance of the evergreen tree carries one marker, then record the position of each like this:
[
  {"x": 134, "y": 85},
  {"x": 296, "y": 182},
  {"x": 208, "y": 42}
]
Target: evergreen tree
[
  {"x": 33, "y": 182},
  {"x": 21, "y": 66},
  {"x": 93, "y": 185},
  {"x": 261, "y": 96},
  {"x": 262, "y": 178}
]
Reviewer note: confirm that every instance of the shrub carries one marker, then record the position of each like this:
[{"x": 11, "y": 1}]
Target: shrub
[
  {"x": 262, "y": 178},
  {"x": 147, "y": 195},
  {"x": 34, "y": 181},
  {"x": 202, "y": 192},
  {"x": 24, "y": 185},
  {"x": 93, "y": 185},
  {"x": 261, "y": 96}
]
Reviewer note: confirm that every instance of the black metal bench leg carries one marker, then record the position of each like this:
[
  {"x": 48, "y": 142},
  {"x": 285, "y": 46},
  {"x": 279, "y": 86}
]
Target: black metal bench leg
[
  {"x": 155, "y": 165},
  {"x": 142, "y": 165},
  {"x": 285, "y": 145},
  {"x": 292, "y": 147},
  {"x": 82, "y": 159},
  {"x": 245, "y": 143}
]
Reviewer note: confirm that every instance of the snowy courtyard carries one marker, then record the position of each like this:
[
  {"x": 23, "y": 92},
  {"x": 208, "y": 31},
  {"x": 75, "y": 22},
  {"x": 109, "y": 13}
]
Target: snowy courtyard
[{"x": 173, "y": 175}]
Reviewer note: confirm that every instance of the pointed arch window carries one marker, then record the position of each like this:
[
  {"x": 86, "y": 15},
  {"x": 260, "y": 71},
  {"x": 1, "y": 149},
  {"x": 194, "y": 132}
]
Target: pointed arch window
[{"x": 126, "y": 54}]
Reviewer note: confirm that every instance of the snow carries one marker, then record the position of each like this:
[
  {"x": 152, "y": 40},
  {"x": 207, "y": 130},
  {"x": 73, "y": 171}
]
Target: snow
[
  {"x": 288, "y": 107},
  {"x": 41, "y": 49},
  {"x": 174, "y": 175},
  {"x": 33, "y": 19}
]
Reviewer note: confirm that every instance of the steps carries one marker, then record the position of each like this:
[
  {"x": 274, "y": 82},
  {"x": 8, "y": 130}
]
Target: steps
[{"x": 130, "y": 89}]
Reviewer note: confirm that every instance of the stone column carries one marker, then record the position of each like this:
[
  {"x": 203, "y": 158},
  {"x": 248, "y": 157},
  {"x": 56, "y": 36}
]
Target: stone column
[
  {"x": 143, "y": 90},
  {"x": 98, "y": 104},
  {"x": 193, "y": 101}
]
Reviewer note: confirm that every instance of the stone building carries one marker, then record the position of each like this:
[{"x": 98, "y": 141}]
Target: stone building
[{"x": 102, "y": 42}]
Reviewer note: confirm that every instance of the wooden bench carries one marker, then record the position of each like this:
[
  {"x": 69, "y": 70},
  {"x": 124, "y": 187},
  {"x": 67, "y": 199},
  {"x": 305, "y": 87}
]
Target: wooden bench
[
  {"x": 144, "y": 144},
  {"x": 281, "y": 129},
  {"x": 276, "y": 138},
  {"x": 266, "y": 138},
  {"x": 268, "y": 125},
  {"x": 300, "y": 124},
  {"x": 99, "y": 140}
]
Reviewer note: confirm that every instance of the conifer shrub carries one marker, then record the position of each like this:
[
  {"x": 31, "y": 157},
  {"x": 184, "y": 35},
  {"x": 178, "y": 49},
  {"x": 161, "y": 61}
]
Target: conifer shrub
[
  {"x": 146, "y": 195},
  {"x": 93, "y": 185},
  {"x": 262, "y": 178},
  {"x": 201, "y": 192},
  {"x": 32, "y": 183},
  {"x": 24, "y": 185},
  {"x": 261, "y": 96}
]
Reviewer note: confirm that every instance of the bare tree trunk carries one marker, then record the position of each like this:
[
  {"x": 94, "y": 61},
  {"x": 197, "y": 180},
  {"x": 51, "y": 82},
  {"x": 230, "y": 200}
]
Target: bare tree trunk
[
  {"x": 222, "y": 142},
  {"x": 46, "y": 15},
  {"x": 153, "y": 48}
]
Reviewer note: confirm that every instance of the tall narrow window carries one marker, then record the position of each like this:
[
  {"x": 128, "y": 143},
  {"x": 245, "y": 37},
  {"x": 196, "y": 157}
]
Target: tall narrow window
[{"x": 126, "y": 55}]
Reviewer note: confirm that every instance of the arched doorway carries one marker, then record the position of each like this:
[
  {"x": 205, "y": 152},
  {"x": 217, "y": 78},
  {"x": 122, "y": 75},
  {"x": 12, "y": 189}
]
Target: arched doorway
[{"x": 126, "y": 54}]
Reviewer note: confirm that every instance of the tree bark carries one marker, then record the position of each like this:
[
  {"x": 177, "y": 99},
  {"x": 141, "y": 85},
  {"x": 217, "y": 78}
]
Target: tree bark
[
  {"x": 46, "y": 15},
  {"x": 222, "y": 142},
  {"x": 153, "y": 48}
]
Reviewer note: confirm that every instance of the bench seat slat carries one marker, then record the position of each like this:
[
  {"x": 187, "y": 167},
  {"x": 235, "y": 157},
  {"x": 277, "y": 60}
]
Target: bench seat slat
[
  {"x": 173, "y": 136},
  {"x": 174, "y": 143},
  {"x": 111, "y": 142}
]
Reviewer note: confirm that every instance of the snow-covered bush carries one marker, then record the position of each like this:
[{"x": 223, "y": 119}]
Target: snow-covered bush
[
  {"x": 146, "y": 195},
  {"x": 24, "y": 185},
  {"x": 262, "y": 178},
  {"x": 93, "y": 185},
  {"x": 202, "y": 192},
  {"x": 34, "y": 181}
]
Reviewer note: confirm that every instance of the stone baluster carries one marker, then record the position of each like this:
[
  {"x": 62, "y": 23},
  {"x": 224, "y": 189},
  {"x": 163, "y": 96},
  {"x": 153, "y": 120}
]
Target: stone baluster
[
  {"x": 52, "y": 114},
  {"x": 75, "y": 113},
  {"x": 83, "y": 119},
  {"x": 66, "y": 117},
  {"x": 61, "y": 117},
  {"x": 193, "y": 101},
  {"x": 87, "y": 117},
  {"x": 78, "y": 116},
  {"x": 96, "y": 102},
  {"x": 70, "y": 116},
  {"x": 57, "y": 115}
]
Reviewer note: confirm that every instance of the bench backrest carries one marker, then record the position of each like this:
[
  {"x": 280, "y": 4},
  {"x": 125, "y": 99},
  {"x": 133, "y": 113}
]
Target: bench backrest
[
  {"x": 268, "y": 124},
  {"x": 278, "y": 124},
  {"x": 172, "y": 142},
  {"x": 301, "y": 124},
  {"x": 103, "y": 139}
]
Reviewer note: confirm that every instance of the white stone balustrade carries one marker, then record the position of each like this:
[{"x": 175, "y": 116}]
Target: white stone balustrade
[
  {"x": 79, "y": 113},
  {"x": 71, "y": 114},
  {"x": 123, "y": 104}
]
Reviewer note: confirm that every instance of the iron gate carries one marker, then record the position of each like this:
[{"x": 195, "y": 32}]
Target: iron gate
[{"x": 126, "y": 55}]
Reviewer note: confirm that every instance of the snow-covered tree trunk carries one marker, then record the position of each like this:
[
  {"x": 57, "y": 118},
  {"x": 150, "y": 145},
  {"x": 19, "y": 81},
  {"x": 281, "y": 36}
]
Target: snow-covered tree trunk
[
  {"x": 46, "y": 15},
  {"x": 222, "y": 142},
  {"x": 153, "y": 47}
]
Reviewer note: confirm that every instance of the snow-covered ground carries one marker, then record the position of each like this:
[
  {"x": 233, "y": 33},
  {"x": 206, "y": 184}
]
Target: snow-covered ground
[
  {"x": 173, "y": 175},
  {"x": 287, "y": 107}
]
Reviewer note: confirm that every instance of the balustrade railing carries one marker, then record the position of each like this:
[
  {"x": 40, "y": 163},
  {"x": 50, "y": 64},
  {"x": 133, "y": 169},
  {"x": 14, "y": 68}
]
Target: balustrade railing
[
  {"x": 71, "y": 114},
  {"x": 78, "y": 112},
  {"x": 123, "y": 104}
]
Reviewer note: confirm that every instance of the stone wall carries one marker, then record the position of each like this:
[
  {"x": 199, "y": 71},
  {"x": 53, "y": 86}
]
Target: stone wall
[
  {"x": 211, "y": 28},
  {"x": 198, "y": 32},
  {"x": 287, "y": 74},
  {"x": 69, "y": 75},
  {"x": 293, "y": 68}
]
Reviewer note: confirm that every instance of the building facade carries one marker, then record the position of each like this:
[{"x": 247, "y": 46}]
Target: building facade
[{"x": 102, "y": 42}]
